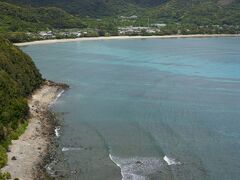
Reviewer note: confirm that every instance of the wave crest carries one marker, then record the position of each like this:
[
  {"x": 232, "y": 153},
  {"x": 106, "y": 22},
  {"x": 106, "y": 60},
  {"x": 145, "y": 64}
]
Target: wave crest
[
  {"x": 171, "y": 161},
  {"x": 137, "y": 168},
  {"x": 64, "y": 149}
]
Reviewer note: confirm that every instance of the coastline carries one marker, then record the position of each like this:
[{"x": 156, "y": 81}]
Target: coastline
[
  {"x": 26, "y": 156},
  {"x": 52, "y": 41},
  {"x": 167, "y": 159}
]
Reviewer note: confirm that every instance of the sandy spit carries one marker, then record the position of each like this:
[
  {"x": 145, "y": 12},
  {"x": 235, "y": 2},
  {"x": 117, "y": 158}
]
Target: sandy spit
[
  {"x": 51, "y": 41},
  {"x": 28, "y": 152}
]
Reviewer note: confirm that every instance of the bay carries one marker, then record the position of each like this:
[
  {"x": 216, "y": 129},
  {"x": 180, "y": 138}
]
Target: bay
[{"x": 146, "y": 109}]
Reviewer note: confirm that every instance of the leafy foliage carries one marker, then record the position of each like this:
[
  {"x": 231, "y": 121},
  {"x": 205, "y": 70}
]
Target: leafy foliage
[
  {"x": 3, "y": 156},
  {"x": 18, "y": 78},
  {"x": 4, "y": 176}
]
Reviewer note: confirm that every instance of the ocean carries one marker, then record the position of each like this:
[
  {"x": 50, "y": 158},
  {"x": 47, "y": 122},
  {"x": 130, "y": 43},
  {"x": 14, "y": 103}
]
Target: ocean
[{"x": 147, "y": 109}]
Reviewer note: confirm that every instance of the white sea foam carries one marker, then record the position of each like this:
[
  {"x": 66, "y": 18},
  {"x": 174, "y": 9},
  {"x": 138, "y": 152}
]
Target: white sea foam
[
  {"x": 58, "y": 96},
  {"x": 111, "y": 157},
  {"x": 55, "y": 100},
  {"x": 71, "y": 149},
  {"x": 171, "y": 161},
  {"x": 57, "y": 129},
  {"x": 137, "y": 168},
  {"x": 49, "y": 167}
]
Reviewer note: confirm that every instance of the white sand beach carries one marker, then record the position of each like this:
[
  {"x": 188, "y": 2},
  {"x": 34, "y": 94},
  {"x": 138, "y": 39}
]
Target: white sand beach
[{"x": 51, "y": 41}]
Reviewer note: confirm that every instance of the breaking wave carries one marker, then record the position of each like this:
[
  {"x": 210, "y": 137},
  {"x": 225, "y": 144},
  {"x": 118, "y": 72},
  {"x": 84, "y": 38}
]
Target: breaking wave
[
  {"x": 56, "y": 130},
  {"x": 137, "y": 168},
  {"x": 64, "y": 149},
  {"x": 171, "y": 161},
  {"x": 57, "y": 97}
]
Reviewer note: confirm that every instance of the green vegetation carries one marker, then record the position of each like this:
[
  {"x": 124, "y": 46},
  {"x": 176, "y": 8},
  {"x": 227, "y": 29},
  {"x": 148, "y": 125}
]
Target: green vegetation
[
  {"x": 18, "y": 78},
  {"x": 20, "y": 19},
  {"x": 24, "y": 21},
  {"x": 3, "y": 156},
  {"x": 93, "y": 8},
  {"x": 4, "y": 176},
  {"x": 199, "y": 13}
]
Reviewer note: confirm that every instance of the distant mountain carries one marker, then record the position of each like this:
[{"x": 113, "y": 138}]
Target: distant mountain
[
  {"x": 187, "y": 11},
  {"x": 17, "y": 19},
  {"x": 92, "y": 8},
  {"x": 198, "y": 12},
  {"x": 180, "y": 16}
]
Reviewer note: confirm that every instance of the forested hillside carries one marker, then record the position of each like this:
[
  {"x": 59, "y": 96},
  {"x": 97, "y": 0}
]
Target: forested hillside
[
  {"x": 198, "y": 12},
  {"x": 18, "y": 19},
  {"x": 18, "y": 78},
  {"x": 23, "y": 20},
  {"x": 172, "y": 8},
  {"x": 93, "y": 8}
]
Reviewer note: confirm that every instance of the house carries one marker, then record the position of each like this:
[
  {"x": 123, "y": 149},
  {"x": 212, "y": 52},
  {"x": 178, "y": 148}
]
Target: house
[
  {"x": 159, "y": 25},
  {"x": 46, "y": 34}
]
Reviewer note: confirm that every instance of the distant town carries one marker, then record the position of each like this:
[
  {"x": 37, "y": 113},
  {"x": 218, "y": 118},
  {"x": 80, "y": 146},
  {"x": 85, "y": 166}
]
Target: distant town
[
  {"x": 152, "y": 29},
  {"x": 123, "y": 26}
]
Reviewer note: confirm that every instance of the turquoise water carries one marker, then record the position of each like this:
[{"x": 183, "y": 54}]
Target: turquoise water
[{"x": 146, "y": 109}]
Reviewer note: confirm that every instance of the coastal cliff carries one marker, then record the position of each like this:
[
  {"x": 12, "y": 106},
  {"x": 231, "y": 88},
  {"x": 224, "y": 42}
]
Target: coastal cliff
[
  {"x": 24, "y": 101},
  {"x": 18, "y": 78}
]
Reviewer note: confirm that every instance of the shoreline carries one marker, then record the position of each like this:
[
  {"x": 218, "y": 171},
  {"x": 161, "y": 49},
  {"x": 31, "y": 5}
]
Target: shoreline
[
  {"x": 52, "y": 41},
  {"x": 27, "y": 155}
]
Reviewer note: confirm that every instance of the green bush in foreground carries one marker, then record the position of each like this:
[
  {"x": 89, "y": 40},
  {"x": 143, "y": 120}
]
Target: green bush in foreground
[
  {"x": 3, "y": 161},
  {"x": 4, "y": 176},
  {"x": 3, "y": 156}
]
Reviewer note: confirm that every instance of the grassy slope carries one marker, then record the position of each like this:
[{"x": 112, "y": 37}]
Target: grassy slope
[{"x": 18, "y": 78}]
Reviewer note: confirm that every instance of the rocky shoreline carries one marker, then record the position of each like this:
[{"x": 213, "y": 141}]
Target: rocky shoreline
[{"x": 28, "y": 156}]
